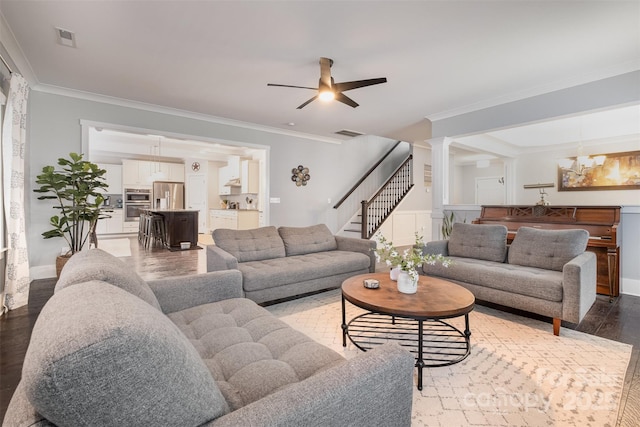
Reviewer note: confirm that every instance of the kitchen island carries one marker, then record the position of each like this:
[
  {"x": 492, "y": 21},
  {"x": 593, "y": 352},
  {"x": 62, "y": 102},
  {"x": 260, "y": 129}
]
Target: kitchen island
[{"x": 181, "y": 225}]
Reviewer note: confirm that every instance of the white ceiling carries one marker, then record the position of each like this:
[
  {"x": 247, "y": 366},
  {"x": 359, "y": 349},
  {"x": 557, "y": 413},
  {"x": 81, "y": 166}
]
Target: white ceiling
[{"x": 216, "y": 57}]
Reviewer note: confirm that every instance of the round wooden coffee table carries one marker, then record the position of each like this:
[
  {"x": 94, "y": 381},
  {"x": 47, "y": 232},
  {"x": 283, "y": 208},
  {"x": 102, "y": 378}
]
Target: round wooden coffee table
[{"x": 413, "y": 320}]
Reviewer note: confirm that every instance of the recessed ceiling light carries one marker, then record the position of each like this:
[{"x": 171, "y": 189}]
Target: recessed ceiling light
[{"x": 291, "y": 124}]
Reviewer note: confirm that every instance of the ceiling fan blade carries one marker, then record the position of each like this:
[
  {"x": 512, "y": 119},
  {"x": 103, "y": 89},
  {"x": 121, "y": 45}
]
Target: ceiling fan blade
[
  {"x": 299, "y": 87},
  {"x": 341, "y": 97},
  {"x": 307, "y": 102},
  {"x": 341, "y": 87},
  {"x": 325, "y": 71}
]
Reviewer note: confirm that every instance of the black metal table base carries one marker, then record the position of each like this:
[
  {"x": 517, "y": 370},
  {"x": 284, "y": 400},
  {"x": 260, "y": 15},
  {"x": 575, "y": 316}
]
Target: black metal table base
[{"x": 433, "y": 341}]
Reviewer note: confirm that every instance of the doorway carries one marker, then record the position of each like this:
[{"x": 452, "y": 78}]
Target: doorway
[{"x": 490, "y": 190}]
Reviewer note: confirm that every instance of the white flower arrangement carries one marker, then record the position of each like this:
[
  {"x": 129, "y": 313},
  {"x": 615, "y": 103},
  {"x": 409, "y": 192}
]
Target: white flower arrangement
[{"x": 410, "y": 259}]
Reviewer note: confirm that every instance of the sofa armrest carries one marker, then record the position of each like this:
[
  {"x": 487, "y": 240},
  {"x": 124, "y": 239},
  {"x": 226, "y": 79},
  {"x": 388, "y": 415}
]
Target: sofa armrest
[
  {"x": 578, "y": 286},
  {"x": 364, "y": 246},
  {"x": 219, "y": 259},
  {"x": 436, "y": 247},
  {"x": 179, "y": 293},
  {"x": 373, "y": 389}
]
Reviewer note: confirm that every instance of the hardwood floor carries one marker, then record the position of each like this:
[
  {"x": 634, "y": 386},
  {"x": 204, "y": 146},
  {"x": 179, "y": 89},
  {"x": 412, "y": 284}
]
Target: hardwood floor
[{"x": 616, "y": 321}]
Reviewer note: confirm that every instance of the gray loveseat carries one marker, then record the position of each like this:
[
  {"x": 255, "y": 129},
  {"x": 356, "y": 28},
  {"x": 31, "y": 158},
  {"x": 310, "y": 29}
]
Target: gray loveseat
[
  {"x": 289, "y": 261},
  {"x": 546, "y": 272},
  {"x": 110, "y": 349}
]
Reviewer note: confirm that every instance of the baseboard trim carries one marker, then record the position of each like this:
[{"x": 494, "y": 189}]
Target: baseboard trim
[
  {"x": 630, "y": 286},
  {"x": 42, "y": 272}
]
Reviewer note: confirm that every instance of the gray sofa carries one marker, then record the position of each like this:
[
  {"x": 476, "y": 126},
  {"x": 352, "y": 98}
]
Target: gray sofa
[
  {"x": 546, "y": 272},
  {"x": 289, "y": 261},
  {"x": 110, "y": 349}
]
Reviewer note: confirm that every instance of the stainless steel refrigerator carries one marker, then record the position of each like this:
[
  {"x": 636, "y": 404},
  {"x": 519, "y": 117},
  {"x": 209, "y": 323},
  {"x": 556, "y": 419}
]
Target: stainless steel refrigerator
[{"x": 168, "y": 195}]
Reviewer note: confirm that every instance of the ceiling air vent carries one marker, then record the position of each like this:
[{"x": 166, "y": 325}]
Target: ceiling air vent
[
  {"x": 349, "y": 133},
  {"x": 66, "y": 37}
]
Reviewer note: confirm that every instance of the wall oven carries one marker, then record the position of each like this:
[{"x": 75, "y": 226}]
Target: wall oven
[{"x": 136, "y": 200}]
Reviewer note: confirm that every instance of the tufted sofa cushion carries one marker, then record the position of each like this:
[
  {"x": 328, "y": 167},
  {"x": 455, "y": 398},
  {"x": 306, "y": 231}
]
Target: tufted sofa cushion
[
  {"x": 550, "y": 249},
  {"x": 530, "y": 281},
  {"x": 307, "y": 240},
  {"x": 271, "y": 273},
  {"x": 113, "y": 360},
  {"x": 249, "y": 352},
  {"x": 250, "y": 245},
  {"x": 96, "y": 264},
  {"x": 480, "y": 241}
]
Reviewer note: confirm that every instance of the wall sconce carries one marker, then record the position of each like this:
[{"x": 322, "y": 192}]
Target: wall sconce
[{"x": 581, "y": 163}]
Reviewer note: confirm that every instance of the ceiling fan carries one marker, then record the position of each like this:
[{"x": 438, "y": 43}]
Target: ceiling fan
[{"x": 328, "y": 89}]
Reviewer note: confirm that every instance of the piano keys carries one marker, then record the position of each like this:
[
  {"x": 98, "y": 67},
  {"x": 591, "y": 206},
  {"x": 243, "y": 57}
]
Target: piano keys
[{"x": 600, "y": 221}]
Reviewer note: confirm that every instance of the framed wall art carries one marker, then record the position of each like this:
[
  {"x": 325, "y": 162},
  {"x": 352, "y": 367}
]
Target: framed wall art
[{"x": 619, "y": 171}]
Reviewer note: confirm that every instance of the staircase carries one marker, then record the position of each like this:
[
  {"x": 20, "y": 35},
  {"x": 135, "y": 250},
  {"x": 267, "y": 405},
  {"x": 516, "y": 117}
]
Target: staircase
[{"x": 374, "y": 211}]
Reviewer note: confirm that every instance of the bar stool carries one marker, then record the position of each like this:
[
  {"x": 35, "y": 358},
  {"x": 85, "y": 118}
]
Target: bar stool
[
  {"x": 158, "y": 232},
  {"x": 144, "y": 233}
]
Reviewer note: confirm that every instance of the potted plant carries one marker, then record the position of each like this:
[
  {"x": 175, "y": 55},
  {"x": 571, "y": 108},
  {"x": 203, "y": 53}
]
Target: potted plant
[
  {"x": 75, "y": 188},
  {"x": 406, "y": 261}
]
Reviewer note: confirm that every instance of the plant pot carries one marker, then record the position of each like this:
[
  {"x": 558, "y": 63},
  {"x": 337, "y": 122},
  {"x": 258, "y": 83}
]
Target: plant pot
[
  {"x": 393, "y": 274},
  {"x": 61, "y": 260},
  {"x": 406, "y": 284}
]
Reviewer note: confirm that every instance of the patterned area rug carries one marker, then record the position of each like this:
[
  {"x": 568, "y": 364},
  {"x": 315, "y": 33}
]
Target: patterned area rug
[{"x": 518, "y": 372}]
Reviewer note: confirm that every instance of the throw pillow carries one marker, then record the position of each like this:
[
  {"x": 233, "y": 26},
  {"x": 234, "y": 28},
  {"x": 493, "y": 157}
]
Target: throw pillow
[
  {"x": 306, "y": 240},
  {"x": 250, "y": 245},
  {"x": 548, "y": 249},
  {"x": 479, "y": 241}
]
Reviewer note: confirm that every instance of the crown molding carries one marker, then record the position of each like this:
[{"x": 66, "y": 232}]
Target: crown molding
[
  {"x": 8, "y": 41},
  {"x": 605, "y": 73},
  {"x": 121, "y": 102}
]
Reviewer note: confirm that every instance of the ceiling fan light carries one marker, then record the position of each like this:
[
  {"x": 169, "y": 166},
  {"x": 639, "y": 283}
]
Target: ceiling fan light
[{"x": 326, "y": 95}]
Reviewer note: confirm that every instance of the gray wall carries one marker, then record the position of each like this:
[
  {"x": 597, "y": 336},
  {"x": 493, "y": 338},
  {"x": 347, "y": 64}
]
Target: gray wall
[
  {"x": 54, "y": 131},
  {"x": 618, "y": 90}
]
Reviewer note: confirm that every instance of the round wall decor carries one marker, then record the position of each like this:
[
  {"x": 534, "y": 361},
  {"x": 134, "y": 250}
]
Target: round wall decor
[
  {"x": 195, "y": 166},
  {"x": 300, "y": 175}
]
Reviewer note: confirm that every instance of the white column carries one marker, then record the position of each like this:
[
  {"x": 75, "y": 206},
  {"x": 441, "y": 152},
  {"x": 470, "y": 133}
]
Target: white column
[{"x": 440, "y": 182}]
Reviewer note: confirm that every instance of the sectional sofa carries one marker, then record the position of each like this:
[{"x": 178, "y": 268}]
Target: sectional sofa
[
  {"x": 546, "y": 272},
  {"x": 289, "y": 261},
  {"x": 110, "y": 349}
]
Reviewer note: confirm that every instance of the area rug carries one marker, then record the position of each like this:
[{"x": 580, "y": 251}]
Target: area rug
[
  {"x": 116, "y": 247},
  {"x": 518, "y": 372}
]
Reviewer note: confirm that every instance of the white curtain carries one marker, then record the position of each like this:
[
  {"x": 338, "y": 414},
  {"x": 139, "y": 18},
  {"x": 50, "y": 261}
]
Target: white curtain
[{"x": 14, "y": 133}]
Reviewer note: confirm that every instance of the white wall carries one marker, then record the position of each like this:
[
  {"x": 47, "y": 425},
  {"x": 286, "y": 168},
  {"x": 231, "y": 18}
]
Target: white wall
[{"x": 54, "y": 131}]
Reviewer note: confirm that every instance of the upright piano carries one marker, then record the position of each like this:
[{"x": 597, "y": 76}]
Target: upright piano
[{"x": 600, "y": 221}]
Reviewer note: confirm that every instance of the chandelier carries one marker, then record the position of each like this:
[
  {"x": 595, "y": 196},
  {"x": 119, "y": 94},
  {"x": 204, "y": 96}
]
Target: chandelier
[{"x": 581, "y": 164}]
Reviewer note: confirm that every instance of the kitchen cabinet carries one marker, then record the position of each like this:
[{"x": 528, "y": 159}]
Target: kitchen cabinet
[
  {"x": 233, "y": 219},
  {"x": 181, "y": 226},
  {"x": 130, "y": 226},
  {"x": 113, "y": 225},
  {"x": 136, "y": 173},
  {"x": 249, "y": 176},
  {"x": 227, "y": 173},
  {"x": 113, "y": 177},
  {"x": 174, "y": 172}
]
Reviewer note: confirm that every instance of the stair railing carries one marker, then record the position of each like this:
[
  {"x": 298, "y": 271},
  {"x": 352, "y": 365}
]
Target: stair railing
[
  {"x": 365, "y": 176},
  {"x": 382, "y": 204}
]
